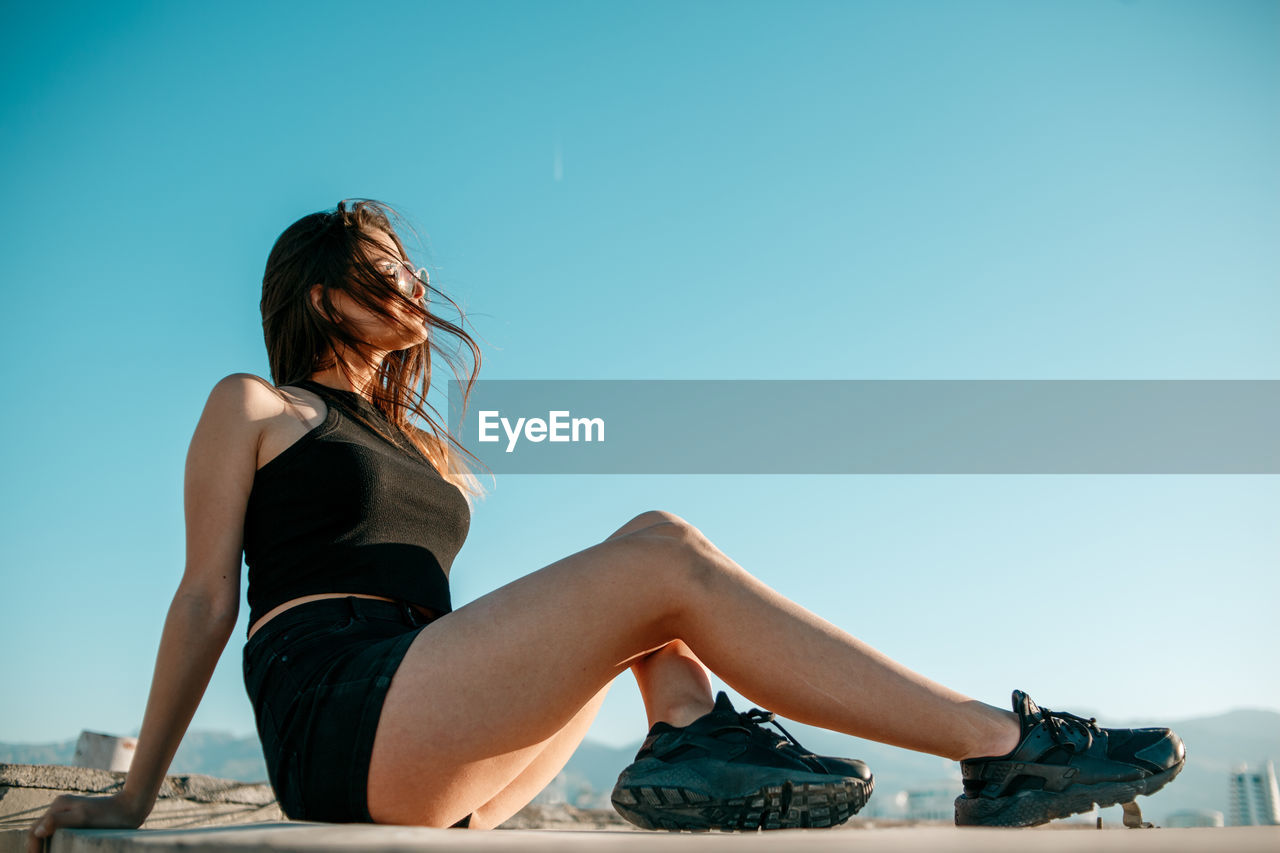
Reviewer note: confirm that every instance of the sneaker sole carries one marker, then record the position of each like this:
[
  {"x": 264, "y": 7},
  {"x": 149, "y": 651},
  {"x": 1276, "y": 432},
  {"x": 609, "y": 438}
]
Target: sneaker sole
[
  {"x": 785, "y": 806},
  {"x": 1032, "y": 808}
]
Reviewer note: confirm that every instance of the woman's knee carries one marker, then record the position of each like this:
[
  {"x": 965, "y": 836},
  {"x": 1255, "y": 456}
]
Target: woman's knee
[
  {"x": 670, "y": 534},
  {"x": 657, "y": 521},
  {"x": 673, "y": 548}
]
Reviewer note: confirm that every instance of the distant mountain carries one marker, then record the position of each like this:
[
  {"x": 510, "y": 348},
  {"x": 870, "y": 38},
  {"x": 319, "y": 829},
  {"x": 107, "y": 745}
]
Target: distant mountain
[
  {"x": 1215, "y": 745},
  {"x": 213, "y": 753},
  {"x": 38, "y": 753},
  {"x": 222, "y": 755}
]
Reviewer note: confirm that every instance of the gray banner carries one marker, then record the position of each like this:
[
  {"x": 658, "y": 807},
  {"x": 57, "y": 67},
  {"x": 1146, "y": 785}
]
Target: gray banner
[{"x": 587, "y": 426}]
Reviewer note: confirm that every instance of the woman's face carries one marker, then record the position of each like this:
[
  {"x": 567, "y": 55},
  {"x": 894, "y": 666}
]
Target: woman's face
[{"x": 371, "y": 328}]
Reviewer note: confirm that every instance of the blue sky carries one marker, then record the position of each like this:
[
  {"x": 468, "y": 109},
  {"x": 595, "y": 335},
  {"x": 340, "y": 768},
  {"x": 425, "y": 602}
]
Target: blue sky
[{"x": 856, "y": 190}]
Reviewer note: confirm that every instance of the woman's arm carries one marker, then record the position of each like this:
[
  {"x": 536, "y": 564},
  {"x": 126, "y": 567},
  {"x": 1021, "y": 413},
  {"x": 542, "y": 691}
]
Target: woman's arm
[{"x": 221, "y": 462}]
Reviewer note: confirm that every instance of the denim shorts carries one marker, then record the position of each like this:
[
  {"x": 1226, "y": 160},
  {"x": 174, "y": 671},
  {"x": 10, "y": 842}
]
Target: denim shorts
[{"x": 317, "y": 676}]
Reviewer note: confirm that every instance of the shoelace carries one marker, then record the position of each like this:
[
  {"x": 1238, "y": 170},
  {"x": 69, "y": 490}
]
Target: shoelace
[
  {"x": 1056, "y": 720},
  {"x": 751, "y": 720}
]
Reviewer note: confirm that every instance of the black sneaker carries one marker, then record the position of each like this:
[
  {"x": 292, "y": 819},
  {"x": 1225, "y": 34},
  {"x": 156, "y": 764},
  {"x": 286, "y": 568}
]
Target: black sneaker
[
  {"x": 1063, "y": 766},
  {"x": 725, "y": 771}
]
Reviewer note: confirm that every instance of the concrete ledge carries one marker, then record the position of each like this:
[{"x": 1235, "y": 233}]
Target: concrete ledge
[
  {"x": 193, "y": 801},
  {"x": 204, "y": 813},
  {"x": 185, "y": 801},
  {"x": 325, "y": 838}
]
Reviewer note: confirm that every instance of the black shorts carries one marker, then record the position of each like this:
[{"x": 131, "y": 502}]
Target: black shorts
[{"x": 317, "y": 676}]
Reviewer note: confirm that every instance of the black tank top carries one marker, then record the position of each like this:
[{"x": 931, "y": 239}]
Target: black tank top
[{"x": 343, "y": 509}]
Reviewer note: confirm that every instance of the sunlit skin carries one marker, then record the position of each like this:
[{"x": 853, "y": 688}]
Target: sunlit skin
[
  {"x": 490, "y": 700},
  {"x": 381, "y": 336}
]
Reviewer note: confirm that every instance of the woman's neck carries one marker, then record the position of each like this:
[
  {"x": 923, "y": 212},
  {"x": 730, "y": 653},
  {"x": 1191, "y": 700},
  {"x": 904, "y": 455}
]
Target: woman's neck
[{"x": 361, "y": 382}]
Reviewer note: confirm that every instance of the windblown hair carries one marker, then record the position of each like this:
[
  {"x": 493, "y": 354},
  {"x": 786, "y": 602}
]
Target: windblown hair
[{"x": 336, "y": 249}]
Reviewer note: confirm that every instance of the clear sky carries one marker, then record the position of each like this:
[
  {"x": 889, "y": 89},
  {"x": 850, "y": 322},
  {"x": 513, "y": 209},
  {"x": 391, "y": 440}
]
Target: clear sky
[{"x": 665, "y": 190}]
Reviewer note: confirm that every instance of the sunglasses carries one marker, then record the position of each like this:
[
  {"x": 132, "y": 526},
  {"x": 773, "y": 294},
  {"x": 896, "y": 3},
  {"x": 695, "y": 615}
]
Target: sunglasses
[{"x": 406, "y": 277}]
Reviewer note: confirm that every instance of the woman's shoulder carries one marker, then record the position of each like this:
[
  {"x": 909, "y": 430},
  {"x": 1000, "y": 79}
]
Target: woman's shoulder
[
  {"x": 248, "y": 394},
  {"x": 244, "y": 383},
  {"x": 247, "y": 410}
]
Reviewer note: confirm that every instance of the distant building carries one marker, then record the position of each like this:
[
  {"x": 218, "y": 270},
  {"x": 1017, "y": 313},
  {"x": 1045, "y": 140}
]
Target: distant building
[
  {"x": 931, "y": 804},
  {"x": 1194, "y": 817},
  {"x": 1254, "y": 798}
]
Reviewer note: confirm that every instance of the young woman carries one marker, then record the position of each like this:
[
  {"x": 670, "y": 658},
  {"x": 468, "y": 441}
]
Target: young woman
[{"x": 378, "y": 702}]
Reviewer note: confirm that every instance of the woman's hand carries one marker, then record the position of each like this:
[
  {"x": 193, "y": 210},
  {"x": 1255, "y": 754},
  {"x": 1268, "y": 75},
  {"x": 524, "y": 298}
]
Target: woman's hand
[{"x": 113, "y": 812}]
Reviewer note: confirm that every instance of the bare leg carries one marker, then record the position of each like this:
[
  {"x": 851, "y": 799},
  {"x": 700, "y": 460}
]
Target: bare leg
[
  {"x": 673, "y": 684},
  {"x": 675, "y": 688},
  {"x": 546, "y": 760},
  {"x": 672, "y": 681},
  {"x": 482, "y": 686}
]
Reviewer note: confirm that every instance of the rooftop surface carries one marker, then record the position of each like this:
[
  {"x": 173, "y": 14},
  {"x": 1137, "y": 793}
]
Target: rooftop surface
[
  {"x": 304, "y": 837},
  {"x": 203, "y": 813}
]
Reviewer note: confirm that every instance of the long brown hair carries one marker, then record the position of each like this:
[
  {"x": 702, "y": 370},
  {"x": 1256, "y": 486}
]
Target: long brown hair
[{"x": 335, "y": 248}]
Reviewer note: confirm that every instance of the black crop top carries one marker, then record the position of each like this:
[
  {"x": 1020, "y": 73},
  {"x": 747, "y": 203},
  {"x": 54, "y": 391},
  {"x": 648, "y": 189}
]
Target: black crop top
[{"x": 343, "y": 509}]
